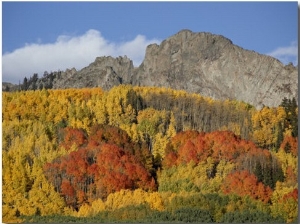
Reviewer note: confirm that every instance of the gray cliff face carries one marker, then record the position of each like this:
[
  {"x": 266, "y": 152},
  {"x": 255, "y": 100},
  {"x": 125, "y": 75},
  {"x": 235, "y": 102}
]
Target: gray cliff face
[
  {"x": 212, "y": 66},
  {"x": 104, "y": 72},
  {"x": 203, "y": 63}
]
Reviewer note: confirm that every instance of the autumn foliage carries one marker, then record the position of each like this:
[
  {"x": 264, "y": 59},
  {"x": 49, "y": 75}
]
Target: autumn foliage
[
  {"x": 146, "y": 154},
  {"x": 290, "y": 145},
  {"x": 107, "y": 163},
  {"x": 194, "y": 146},
  {"x": 243, "y": 183}
]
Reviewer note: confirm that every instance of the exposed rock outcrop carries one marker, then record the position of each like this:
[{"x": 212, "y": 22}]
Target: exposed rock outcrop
[
  {"x": 213, "y": 66},
  {"x": 104, "y": 72},
  {"x": 203, "y": 63}
]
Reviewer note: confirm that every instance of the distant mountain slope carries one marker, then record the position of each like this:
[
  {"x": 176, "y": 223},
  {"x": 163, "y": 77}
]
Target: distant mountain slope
[{"x": 196, "y": 62}]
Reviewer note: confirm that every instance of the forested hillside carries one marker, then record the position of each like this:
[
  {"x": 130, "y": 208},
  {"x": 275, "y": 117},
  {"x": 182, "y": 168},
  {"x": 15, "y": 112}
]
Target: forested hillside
[{"x": 146, "y": 154}]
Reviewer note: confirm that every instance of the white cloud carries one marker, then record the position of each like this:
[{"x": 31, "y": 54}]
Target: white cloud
[
  {"x": 286, "y": 54},
  {"x": 68, "y": 52}
]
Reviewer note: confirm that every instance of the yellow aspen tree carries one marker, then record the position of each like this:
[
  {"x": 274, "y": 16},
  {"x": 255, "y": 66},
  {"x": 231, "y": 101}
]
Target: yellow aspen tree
[
  {"x": 9, "y": 194},
  {"x": 81, "y": 113},
  {"x": 155, "y": 201},
  {"x": 287, "y": 160},
  {"x": 72, "y": 122},
  {"x": 137, "y": 197},
  {"x": 8, "y": 133},
  {"x": 159, "y": 145},
  {"x": 98, "y": 206},
  {"x": 129, "y": 115},
  {"x": 222, "y": 170},
  {"x": 281, "y": 206},
  {"x": 69, "y": 211},
  {"x": 134, "y": 133},
  {"x": 99, "y": 109},
  {"x": 116, "y": 200},
  {"x": 125, "y": 198},
  {"x": 189, "y": 177},
  {"x": 171, "y": 132},
  {"x": 121, "y": 105},
  {"x": 9, "y": 214},
  {"x": 148, "y": 122},
  {"x": 84, "y": 211},
  {"x": 42, "y": 196},
  {"x": 72, "y": 115},
  {"x": 16, "y": 178},
  {"x": 155, "y": 128},
  {"x": 162, "y": 138},
  {"x": 114, "y": 109},
  {"x": 60, "y": 111},
  {"x": 202, "y": 180},
  {"x": 260, "y": 122},
  {"x": 264, "y": 122}
]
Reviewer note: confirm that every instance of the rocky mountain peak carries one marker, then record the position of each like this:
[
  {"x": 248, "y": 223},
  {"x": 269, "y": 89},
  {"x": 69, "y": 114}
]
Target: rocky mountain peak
[
  {"x": 203, "y": 63},
  {"x": 213, "y": 66},
  {"x": 104, "y": 72}
]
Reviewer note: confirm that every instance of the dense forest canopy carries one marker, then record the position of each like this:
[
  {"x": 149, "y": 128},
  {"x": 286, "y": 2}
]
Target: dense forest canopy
[{"x": 146, "y": 154}]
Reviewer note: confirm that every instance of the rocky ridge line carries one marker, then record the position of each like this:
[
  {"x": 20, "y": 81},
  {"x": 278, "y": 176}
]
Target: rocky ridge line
[{"x": 203, "y": 63}]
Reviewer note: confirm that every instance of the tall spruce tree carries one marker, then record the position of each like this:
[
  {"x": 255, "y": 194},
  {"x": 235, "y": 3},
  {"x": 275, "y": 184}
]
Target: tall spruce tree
[{"x": 290, "y": 107}]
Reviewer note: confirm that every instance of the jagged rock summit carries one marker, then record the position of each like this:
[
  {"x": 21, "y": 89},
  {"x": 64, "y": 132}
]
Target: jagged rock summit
[
  {"x": 203, "y": 63},
  {"x": 104, "y": 72},
  {"x": 213, "y": 66}
]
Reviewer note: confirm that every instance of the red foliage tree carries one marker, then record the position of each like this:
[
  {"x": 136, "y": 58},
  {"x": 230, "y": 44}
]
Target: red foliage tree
[
  {"x": 187, "y": 153},
  {"x": 291, "y": 176},
  {"x": 293, "y": 194},
  {"x": 73, "y": 136},
  {"x": 180, "y": 139},
  {"x": 68, "y": 192},
  {"x": 193, "y": 146},
  {"x": 120, "y": 170},
  {"x": 243, "y": 183},
  {"x": 170, "y": 159},
  {"x": 100, "y": 134},
  {"x": 100, "y": 167}
]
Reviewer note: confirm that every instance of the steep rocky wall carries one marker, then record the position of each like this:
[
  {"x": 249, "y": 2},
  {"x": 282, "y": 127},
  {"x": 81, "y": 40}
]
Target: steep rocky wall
[{"x": 213, "y": 66}]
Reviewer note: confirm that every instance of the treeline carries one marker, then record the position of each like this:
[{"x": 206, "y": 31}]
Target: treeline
[
  {"x": 146, "y": 154},
  {"x": 35, "y": 83}
]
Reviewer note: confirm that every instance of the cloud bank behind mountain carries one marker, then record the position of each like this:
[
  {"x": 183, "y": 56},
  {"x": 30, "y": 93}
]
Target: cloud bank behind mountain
[
  {"x": 286, "y": 54},
  {"x": 67, "y": 52},
  {"x": 79, "y": 51}
]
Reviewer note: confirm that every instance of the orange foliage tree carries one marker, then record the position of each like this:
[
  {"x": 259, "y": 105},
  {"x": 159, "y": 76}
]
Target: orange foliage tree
[
  {"x": 194, "y": 146},
  {"x": 99, "y": 167},
  {"x": 243, "y": 183},
  {"x": 290, "y": 145}
]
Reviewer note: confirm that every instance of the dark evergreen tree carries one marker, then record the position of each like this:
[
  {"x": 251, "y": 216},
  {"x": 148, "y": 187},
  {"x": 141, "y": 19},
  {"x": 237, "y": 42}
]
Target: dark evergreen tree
[
  {"x": 7, "y": 89},
  {"x": 279, "y": 136},
  {"x": 258, "y": 172},
  {"x": 25, "y": 84},
  {"x": 290, "y": 107}
]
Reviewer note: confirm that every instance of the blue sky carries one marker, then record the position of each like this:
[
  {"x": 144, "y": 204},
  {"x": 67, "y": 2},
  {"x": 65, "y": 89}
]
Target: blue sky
[{"x": 47, "y": 36}]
